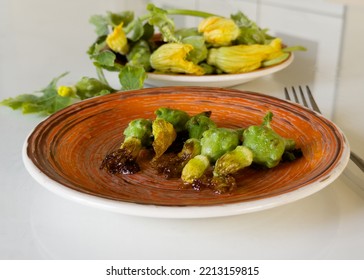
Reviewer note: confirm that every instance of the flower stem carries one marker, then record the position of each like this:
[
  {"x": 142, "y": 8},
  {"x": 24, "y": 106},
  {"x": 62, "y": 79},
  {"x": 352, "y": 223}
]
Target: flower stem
[
  {"x": 101, "y": 76},
  {"x": 182, "y": 12},
  {"x": 189, "y": 13}
]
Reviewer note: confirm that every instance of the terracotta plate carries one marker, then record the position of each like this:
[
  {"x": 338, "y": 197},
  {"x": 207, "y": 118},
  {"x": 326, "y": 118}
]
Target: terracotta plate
[{"x": 65, "y": 151}]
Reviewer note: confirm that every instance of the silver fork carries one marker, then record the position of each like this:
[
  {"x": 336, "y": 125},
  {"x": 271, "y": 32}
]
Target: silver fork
[{"x": 309, "y": 102}]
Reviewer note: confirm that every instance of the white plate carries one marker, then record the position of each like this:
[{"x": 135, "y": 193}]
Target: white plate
[{"x": 223, "y": 80}]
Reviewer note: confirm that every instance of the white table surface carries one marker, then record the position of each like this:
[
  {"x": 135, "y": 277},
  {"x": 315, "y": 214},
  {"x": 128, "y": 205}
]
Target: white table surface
[{"x": 37, "y": 224}]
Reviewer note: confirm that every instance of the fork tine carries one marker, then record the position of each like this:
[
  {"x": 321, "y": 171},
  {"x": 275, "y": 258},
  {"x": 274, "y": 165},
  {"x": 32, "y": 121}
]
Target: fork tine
[
  {"x": 286, "y": 94},
  {"x": 295, "y": 95},
  {"x": 355, "y": 158},
  {"x": 306, "y": 100},
  {"x": 312, "y": 100},
  {"x": 303, "y": 97}
]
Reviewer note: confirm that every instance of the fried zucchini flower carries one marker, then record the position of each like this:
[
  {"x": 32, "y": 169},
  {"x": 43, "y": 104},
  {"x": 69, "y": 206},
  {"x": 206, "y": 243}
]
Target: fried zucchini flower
[
  {"x": 138, "y": 134},
  {"x": 198, "y": 124},
  {"x": 117, "y": 40},
  {"x": 267, "y": 145},
  {"x": 177, "y": 118},
  {"x": 164, "y": 135},
  {"x": 243, "y": 58},
  {"x": 219, "y": 31},
  {"x": 233, "y": 161},
  {"x": 171, "y": 57},
  {"x": 217, "y": 141},
  {"x": 195, "y": 168}
]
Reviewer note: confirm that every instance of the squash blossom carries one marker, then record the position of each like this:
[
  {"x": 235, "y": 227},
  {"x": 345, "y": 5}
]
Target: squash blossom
[
  {"x": 219, "y": 31},
  {"x": 85, "y": 88},
  {"x": 67, "y": 91},
  {"x": 243, "y": 58},
  {"x": 171, "y": 57},
  {"x": 117, "y": 40}
]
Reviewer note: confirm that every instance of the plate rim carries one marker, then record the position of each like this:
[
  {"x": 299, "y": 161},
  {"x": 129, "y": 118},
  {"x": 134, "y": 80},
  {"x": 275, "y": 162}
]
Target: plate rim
[{"x": 223, "y": 77}]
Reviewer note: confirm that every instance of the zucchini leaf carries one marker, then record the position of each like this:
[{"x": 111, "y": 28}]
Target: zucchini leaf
[
  {"x": 159, "y": 18},
  {"x": 44, "y": 102},
  {"x": 132, "y": 77},
  {"x": 101, "y": 24},
  {"x": 250, "y": 32}
]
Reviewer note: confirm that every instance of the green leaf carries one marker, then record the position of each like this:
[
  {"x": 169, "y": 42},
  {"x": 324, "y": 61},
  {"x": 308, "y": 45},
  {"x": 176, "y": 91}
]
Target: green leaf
[
  {"x": 136, "y": 30},
  {"x": 132, "y": 77},
  {"x": 105, "y": 58},
  {"x": 187, "y": 32},
  {"x": 148, "y": 31},
  {"x": 199, "y": 52},
  {"x": 44, "y": 102},
  {"x": 140, "y": 55},
  {"x": 16, "y": 103},
  {"x": 125, "y": 17},
  {"x": 250, "y": 32},
  {"x": 101, "y": 24},
  {"x": 159, "y": 18},
  {"x": 97, "y": 47},
  {"x": 89, "y": 87}
]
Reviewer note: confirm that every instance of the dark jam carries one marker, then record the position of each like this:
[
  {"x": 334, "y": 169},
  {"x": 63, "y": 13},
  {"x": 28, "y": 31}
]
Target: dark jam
[
  {"x": 169, "y": 165},
  {"x": 218, "y": 184},
  {"x": 120, "y": 162},
  {"x": 172, "y": 162}
]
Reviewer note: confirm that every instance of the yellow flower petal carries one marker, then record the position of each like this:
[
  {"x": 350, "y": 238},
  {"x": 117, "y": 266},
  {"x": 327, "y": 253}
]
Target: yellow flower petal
[
  {"x": 171, "y": 57},
  {"x": 117, "y": 40},
  {"x": 243, "y": 58},
  {"x": 219, "y": 31},
  {"x": 67, "y": 91}
]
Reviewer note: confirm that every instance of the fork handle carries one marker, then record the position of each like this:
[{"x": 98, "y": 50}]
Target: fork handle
[{"x": 357, "y": 160}]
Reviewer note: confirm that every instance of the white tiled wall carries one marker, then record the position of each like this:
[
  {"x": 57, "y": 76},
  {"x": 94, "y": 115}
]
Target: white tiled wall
[
  {"x": 320, "y": 30},
  {"x": 314, "y": 6}
]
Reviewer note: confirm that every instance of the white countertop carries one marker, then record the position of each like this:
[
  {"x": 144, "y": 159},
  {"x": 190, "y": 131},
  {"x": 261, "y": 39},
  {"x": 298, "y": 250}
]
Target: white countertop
[{"x": 37, "y": 224}]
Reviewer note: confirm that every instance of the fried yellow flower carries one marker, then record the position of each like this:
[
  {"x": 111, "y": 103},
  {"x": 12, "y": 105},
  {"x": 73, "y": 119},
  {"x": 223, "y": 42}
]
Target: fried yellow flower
[
  {"x": 164, "y": 135},
  {"x": 219, "y": 31},
  {"x": 117, "y": 40},
  {"x": 243, "y": 58},
  {"x": 171, "y": 57}
]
